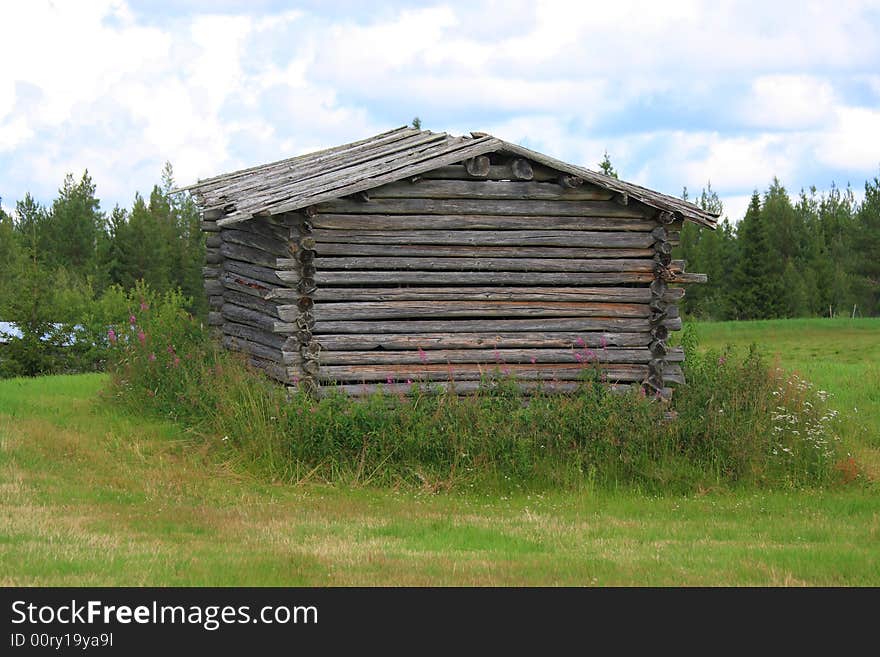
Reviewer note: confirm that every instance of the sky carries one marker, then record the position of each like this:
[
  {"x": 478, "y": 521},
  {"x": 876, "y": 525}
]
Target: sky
[{"x": 678, "y": 93}]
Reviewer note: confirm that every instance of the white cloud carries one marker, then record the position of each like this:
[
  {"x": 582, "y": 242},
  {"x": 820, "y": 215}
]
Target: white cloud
[
  {"x": 852, "y": 141},
  {"x": 789, "y": 102},
  {"x": 678, "y": 92}
]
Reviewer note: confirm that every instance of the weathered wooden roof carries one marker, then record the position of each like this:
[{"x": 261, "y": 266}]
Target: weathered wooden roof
[{"x": 313, "y": 178}]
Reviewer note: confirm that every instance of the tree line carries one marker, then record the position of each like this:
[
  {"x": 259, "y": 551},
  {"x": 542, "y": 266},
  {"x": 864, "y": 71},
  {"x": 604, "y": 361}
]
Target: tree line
[
  {"x": 70, "y": 262},
  {"x": 816, "y": 255},
  {"x": 65, "y": 268},
  {"x": 74, "y": 243}
]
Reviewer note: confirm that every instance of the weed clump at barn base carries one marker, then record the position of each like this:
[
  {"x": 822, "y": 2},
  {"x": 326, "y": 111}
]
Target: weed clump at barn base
[{"x": 739, "y": 421}]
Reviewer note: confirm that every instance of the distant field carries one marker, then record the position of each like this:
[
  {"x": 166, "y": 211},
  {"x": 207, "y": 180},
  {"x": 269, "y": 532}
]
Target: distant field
[{"x": 93, "y": 496}]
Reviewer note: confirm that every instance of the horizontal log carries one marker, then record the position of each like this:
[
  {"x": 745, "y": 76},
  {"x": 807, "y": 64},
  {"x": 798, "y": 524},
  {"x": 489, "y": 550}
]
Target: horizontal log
[
  {"x": 495, "y": 356},
  {"x": 213, "y": 257},
  {"x": 498, "y": 340},
  {"x": 246, "y": 285},
  {"x": 215, "y": 300},
  {"x": 489, "y": 189},
  {"x": 471, "y": 278},
  {"x": 275, "y": 245},
  {"x": 461, "y": 251},
  {"x": 480, "y": 206},
  {"x": 469, "y": 372},
  {"x": 247, "y": 254},
  {"x": 578, "y": 324},
  {"x": 470, "y": 387},
  {"x": 273, "y": 340},
  {"x": 600, "y": 294},
  {"x": 215, "y": 319},
  {"x": 282, "y": 373},
  {"x": 479, "y": 222},
  {"x": 256, "y": 349},
  {"x": 211, "y": 272},
  {"x": 266, "y": 227},
  {"x": 487, "y": 264},
  {"x": 529, "y": 238},
  {"x": 269, "y": 308},
  {"x": 506, "y": 171},
  {"x": 263, "y": 274},
  {"x": 448, "y": 309},
  {"x": 682, "y": 277},
  {"x": 259, "y": 320},
  {"x": 213, "y": 241},
  {"x": 209, "y": 226}
]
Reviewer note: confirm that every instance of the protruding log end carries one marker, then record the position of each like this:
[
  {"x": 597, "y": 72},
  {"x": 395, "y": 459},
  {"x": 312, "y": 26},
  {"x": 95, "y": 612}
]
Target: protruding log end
[
  {"x": 306, "y": 286},
  {"x": 571, "y": 182},
  {"x": 665, "y": 217},
  {"x": 477, "y": 166},
  {"x": 522, "y": 169}
]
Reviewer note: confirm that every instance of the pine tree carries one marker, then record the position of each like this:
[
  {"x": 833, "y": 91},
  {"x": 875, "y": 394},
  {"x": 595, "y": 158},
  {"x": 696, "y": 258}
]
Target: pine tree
[
  {"x": 757, "y": 287},
  {"x": 74, "y": 227},
  {"x": 10, "y": 260},
  {"x": 866, "y": 250},
  {"x": 29, "y": 303},
  {"x": 606, "y": 167}
]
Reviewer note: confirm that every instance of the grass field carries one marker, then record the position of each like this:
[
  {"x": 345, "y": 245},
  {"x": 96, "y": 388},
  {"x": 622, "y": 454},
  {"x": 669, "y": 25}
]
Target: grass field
[{"x": 92, "y": 496}]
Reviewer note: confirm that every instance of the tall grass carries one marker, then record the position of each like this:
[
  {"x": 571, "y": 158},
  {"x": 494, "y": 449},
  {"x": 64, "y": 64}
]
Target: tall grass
[{"x": 740, "y": 421}]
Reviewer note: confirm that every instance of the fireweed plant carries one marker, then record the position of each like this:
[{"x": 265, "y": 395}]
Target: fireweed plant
[{"x": 739, "y": 421}]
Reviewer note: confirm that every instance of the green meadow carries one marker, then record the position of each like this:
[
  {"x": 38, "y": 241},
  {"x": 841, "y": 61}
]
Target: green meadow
[{"x": 92, "y": 495}]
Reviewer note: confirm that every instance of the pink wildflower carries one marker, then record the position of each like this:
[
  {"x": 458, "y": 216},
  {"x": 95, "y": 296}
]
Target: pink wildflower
[
  {"x": 578, "y": 357},
  {"x": 132, "y": 320},
  {"x": 111, "y": 335},
  {"x": 151, "y": 357},
  {"x": 296, "y": 380},
  {"x": 422, "y": 355},
  {"x": 722, "y": 360},
  {"x": 642, "y": 392},
  {"x": 533, "y": 360},
  {"x": 603, "y": 341},
  {"x": 409, "y": 382},
  {"x": 581, "y": 342},
  {"x": 176, "y": 361},
  {"x": 389, "y": 380},
  {"x": 170, "y": 349},
  {"x": 142, "y": 337},
  {"x": 145, "y": 306},
  {"x": 589, "y": 354}
]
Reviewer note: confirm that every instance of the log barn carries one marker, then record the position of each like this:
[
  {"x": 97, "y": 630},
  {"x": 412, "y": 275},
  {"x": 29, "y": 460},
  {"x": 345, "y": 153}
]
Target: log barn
[{"x": 415, "y": 256}]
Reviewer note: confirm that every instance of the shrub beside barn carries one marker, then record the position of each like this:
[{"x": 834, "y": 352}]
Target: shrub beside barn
[{"x": 415, "y": 256}]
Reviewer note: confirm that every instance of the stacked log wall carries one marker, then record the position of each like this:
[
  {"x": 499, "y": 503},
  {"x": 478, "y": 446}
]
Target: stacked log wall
[
  {"x": 244, "y": 265},
  {"x": 496, "y": 265}
]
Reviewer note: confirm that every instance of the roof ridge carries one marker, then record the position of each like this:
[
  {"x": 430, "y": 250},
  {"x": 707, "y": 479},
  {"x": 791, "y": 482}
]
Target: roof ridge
[{"x": 284, "y": 185}]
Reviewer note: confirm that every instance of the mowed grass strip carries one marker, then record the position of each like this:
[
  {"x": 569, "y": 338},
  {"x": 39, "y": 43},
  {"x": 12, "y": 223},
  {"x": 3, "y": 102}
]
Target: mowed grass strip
[{"x": 92, "y": 496}]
